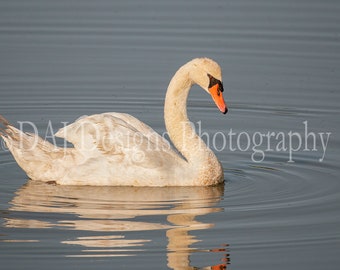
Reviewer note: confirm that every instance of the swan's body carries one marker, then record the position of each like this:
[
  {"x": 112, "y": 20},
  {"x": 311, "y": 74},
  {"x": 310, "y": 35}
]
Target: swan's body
[{"x": 118, "y": 149}]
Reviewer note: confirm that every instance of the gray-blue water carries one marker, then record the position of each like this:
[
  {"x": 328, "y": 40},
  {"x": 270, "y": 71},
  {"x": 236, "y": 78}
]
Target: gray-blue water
[{"x": 281, "y": 71}]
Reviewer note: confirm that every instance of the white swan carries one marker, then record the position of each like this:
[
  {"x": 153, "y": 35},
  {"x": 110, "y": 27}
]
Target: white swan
[{"x": 116, "y": 149}]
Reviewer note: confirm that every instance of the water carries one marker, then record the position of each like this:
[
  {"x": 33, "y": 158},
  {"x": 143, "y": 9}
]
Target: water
[{"x": 280, "y": 61}]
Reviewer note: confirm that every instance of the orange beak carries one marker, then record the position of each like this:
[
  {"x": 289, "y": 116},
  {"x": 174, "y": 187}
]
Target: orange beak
[{"x": 216, "y": 94}]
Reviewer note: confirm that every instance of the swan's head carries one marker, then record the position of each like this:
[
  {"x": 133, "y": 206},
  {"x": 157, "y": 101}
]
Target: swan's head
[{"x": 207, "y": 74}]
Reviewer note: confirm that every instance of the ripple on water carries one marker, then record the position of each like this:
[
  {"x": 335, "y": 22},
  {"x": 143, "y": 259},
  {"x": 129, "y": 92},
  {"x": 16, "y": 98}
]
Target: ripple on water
[{"x": 281, "y": 204}]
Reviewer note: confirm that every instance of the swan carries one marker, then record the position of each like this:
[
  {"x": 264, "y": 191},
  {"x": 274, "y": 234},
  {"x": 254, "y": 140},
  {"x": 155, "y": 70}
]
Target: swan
[{"x": 116, "y": 149}]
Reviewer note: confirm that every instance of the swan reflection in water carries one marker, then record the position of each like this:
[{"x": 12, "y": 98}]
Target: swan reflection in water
[{"x": 121, "y": 210}]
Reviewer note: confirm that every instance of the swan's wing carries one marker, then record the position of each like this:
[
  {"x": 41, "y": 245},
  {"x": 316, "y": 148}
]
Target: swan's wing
[
  {"x": 144, "y": 129},
  {"x": 116, "y": 135}
]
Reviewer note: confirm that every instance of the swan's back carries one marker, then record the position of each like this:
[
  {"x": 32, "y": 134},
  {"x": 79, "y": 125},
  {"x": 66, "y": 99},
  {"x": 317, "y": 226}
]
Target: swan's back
[{"x": 109, "y": 131}]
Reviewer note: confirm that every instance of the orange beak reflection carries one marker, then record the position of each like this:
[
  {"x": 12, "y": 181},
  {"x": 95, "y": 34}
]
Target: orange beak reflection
[{"x": 216, "y": 94}]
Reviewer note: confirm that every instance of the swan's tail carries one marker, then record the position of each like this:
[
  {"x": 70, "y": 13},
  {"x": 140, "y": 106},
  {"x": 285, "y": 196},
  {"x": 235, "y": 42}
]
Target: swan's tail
[
  {"x": 4, "y": 121},
  {"x": 33, "y": 154},
  {"x": 4, "y": 124}
]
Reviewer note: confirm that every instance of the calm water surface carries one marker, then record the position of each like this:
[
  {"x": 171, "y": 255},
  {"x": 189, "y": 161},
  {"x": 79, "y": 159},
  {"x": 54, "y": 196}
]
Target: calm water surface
[{"x": 281, "y": 62}]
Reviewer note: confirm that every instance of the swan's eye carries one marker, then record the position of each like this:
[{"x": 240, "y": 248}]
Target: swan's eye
[{"x": 213, "y": 81}]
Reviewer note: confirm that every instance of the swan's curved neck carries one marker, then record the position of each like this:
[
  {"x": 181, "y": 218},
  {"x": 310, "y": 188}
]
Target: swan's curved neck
[{"x": 177, "y": 123}]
